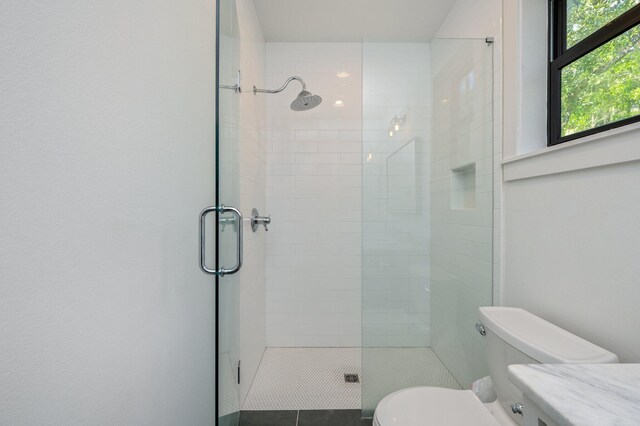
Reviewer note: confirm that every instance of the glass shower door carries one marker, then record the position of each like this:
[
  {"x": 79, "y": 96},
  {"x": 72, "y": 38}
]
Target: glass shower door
[{"x": 225, "y": 218}]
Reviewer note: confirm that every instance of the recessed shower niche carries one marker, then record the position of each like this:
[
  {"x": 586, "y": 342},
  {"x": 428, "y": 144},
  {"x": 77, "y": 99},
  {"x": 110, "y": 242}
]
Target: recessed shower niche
[{"x": 463, "y": 187}]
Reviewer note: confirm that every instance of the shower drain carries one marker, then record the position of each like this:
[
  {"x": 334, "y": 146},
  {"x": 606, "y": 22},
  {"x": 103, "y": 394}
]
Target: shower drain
[{"x": 351, "y": 378}]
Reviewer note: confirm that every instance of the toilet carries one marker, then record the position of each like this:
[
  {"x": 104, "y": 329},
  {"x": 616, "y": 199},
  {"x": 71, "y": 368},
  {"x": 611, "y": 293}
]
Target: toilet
[{"x": 512, "y": 336}]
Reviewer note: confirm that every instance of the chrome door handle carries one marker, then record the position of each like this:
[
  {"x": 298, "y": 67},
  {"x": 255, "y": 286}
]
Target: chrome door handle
[{"x": 203, "y": 264}]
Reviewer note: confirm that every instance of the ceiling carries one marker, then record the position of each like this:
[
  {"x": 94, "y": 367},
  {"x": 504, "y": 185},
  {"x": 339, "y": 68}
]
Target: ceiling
[{"x": 351, "y": 20}]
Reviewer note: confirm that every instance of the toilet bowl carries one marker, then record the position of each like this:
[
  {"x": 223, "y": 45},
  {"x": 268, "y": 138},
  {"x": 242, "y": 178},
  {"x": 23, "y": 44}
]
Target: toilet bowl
[
  {"x": 425, "y": 405},
  {"x": 512, "y": 336}
]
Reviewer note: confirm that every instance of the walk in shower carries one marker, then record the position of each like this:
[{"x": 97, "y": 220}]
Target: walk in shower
[{"x": 380, "y": 246}]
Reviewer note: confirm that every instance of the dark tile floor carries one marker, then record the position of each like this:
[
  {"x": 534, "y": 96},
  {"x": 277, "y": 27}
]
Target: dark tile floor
[{"x": 303, "y": 418}]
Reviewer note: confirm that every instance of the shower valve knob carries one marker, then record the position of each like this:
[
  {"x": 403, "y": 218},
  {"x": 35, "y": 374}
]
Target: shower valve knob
[{"x": 257, "y": 220}]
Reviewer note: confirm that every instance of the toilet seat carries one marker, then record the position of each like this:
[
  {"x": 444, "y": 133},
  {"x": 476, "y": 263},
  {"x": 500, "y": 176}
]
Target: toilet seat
[{"x": 432, "y": 406}]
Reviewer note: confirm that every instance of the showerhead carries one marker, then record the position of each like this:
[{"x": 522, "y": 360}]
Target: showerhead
[{"x": 305, "y": 101}]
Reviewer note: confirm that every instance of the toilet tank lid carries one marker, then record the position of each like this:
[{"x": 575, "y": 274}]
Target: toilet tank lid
[{"x": 541, "y": 340}]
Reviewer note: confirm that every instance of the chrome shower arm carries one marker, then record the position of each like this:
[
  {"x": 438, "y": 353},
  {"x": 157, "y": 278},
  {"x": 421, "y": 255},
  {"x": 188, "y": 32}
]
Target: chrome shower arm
[
  {"x": 303, "y": 102},
  {"x": 284, "y": 86}
]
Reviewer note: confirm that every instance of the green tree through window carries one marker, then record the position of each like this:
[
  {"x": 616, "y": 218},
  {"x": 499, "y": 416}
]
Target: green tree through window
[
  {"x": 602, "y": 86},
  {"x": 584, "y": 17}
]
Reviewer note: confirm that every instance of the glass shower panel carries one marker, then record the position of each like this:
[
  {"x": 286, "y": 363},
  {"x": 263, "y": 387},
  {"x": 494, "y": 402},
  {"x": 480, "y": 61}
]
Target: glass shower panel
[
  {"x": 395, "y": 217},
  {"x": 461, "y": 202},
  {"x": 427, "y": 207}
]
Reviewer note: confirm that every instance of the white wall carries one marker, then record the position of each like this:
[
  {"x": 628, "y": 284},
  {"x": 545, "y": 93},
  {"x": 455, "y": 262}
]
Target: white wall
[
  {"x": 252, "y": 164},
  {"x": 472, "y": 19},
  {"x": 571, "y": 227},
  {"x": 106, "y": 132},
  {"x": 313, "y": 195},
  {"x": 572, "y": 252}
]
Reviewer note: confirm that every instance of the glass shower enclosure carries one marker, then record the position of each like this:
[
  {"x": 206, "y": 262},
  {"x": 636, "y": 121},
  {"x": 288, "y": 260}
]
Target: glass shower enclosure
[{"x": 427, "y": 213}]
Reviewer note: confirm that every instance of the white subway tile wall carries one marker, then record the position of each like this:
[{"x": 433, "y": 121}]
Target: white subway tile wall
[
  {"x": 313, "y": 163},
  {"x": 396, "y": 215},
  {"x": 335, "y": 171}
]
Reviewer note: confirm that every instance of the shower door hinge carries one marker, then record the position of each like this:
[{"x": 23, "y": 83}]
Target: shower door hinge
[{"x": 238, "y": 371}]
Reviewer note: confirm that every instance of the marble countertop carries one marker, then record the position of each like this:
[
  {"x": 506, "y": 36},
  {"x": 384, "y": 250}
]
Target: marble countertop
[{"x": 582, "y": 394}]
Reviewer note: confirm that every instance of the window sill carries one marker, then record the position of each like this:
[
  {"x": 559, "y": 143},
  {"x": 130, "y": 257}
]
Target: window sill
[{"x": 614, "y": 146}]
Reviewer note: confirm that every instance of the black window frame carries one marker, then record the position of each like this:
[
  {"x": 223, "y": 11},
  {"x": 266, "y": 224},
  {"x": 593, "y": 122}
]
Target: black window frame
[{"x": 560, "y": 57}]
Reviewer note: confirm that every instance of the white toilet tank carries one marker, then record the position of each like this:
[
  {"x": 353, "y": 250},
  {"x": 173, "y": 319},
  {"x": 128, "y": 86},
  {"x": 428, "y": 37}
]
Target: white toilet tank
[{"x": 515, "y": 336}]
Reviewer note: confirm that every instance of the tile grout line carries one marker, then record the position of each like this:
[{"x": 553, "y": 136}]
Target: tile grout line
[{"x": 297, "y": 417}]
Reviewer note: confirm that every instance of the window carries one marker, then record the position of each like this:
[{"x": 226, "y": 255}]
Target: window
[{"x": 594, "y": 67}]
